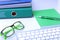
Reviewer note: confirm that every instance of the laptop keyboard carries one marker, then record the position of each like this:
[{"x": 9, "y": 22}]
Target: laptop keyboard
[{"x": 40, "y": 34}]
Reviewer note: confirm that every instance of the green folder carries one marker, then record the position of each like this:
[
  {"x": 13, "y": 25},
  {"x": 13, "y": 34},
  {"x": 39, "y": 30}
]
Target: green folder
[
  {"x": 22, "y": 12},
  {"x": 49, "y": 13}
]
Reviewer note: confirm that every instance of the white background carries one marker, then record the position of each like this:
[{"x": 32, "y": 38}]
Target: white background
[{"x": 44, "y": 4}]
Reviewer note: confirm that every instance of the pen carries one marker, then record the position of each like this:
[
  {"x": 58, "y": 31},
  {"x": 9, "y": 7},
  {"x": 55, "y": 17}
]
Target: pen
[{"x": 50, "y": 18}]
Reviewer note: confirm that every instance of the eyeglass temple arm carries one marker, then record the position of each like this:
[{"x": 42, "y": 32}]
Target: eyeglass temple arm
[{"x": 4, "y": 36}]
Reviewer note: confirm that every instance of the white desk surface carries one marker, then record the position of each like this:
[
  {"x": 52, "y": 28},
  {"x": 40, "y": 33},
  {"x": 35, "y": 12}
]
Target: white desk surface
[{"x": 29, "y": 23}]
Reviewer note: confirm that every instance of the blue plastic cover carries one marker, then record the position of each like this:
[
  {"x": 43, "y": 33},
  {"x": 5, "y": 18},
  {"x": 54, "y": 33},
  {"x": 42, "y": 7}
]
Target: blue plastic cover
[{"x": 14, "y": 2}]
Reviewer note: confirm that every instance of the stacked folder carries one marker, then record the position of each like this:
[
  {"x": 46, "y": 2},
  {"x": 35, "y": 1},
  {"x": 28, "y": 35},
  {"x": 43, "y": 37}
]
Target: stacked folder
[{"x": 15, "y": 9}]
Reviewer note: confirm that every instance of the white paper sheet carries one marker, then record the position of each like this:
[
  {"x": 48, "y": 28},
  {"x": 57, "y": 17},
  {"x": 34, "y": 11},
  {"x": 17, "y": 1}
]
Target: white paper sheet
[{"x": 29, "y": 23}]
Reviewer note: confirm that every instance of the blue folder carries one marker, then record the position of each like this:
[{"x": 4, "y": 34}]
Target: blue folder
[{"x": 14, "y": 2}]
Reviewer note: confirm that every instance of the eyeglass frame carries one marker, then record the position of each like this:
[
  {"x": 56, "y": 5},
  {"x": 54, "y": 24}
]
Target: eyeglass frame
[{"x": 12, "y": 28}]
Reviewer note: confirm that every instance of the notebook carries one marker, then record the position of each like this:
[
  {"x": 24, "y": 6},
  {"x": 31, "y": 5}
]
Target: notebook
[{"x": 49, "y": 13}]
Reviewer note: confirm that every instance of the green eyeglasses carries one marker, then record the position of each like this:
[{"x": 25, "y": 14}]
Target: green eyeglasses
[{"x": 9, "y": 31}]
